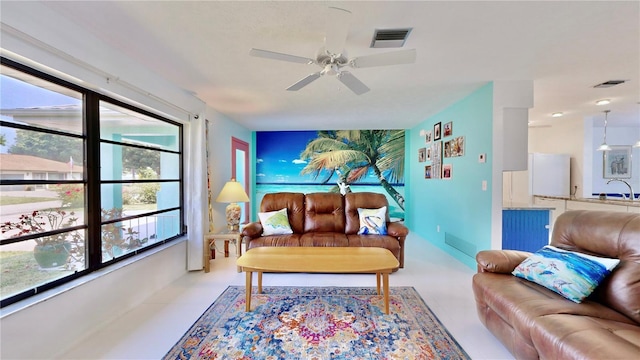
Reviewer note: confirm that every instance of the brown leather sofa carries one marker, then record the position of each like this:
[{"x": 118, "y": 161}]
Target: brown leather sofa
[
  {"x": 533, "y": 322},
  {"x": 326, "y": 219}
]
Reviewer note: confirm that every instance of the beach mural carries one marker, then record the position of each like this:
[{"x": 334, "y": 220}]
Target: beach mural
[{"x": 332, "y": 161}]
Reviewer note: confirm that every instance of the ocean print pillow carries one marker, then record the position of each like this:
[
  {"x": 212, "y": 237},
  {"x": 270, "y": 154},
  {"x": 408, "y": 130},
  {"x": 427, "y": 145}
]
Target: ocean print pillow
[
  {"x": 275, "y": 222},
  {"x": 572, "y": 275},
  {"x": 372, "y": 221}
]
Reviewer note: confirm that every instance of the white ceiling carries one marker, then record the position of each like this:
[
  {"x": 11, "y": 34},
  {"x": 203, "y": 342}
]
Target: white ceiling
[{"x": 203, "y": 47}]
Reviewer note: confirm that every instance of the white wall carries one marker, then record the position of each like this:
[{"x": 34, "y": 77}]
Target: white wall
[
  {"x": 221, "y": 129},
  {"x": 36, "y": 36},
  {"x": 49, "y": 327}
]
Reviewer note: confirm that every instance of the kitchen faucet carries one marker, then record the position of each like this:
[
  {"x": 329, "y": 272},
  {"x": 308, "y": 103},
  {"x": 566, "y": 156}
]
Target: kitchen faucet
[{"x": 631, "y": 194}]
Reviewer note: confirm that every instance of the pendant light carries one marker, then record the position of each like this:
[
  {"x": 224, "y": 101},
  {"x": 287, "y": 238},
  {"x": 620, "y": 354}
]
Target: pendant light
[{"x": 604, "y": 146}]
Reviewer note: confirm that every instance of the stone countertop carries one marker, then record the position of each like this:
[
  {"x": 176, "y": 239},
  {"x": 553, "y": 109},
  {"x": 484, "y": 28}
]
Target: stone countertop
[
  {"x": 524, "y": 206},
  {"x": 635, "y": 203}
]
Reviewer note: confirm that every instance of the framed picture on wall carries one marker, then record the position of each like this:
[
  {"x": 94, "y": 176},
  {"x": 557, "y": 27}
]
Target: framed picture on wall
[
  {"x": 436, "y": 159},
  {"x": 427, "y": 137},
  {"x": 447, "y": 149},
  {"x": 457, "y": 146},
  {"x": 616, "y": 163},
  {"x": 428, "y": 153},
  {"x": 448, "y": 129},
  {"x": 447, "y": 171},
  {"x": 436, "y": 131},
  {"x": 427, "y": 172},
  {"x": 422, "y": 154}
]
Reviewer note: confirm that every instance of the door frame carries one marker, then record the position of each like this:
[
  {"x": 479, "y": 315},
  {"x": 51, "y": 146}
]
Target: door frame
[{"x": 237, "y": 144}]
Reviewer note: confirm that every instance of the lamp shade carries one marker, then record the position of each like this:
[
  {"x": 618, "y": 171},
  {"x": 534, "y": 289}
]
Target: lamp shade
[{"x": 232, "y": 192}]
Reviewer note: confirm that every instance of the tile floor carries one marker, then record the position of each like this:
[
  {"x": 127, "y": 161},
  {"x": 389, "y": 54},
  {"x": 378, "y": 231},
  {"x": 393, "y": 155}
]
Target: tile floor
[{"x": 151, "y": 329}]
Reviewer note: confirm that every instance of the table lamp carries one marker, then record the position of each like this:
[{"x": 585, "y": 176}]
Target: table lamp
[{"x": 232, "y": 193}]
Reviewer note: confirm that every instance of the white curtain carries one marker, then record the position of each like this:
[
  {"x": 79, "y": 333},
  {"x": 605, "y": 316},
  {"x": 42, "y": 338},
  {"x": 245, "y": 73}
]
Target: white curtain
[{"x": 196, "y": 192}]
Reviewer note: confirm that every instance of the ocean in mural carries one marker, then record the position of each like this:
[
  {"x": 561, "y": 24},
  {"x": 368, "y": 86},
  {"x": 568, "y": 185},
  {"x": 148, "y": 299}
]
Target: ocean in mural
[{"x": 317, "y": 161}]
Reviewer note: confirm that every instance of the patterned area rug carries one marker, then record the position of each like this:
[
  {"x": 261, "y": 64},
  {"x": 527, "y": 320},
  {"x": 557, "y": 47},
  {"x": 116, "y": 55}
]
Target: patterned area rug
[{"x": 317, "y": 323}]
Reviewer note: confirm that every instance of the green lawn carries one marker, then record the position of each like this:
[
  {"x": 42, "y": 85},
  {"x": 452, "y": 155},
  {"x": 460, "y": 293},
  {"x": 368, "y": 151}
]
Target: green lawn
[
  {"x": 19, "y": 272},
  {"x": 14, "y": 200}
]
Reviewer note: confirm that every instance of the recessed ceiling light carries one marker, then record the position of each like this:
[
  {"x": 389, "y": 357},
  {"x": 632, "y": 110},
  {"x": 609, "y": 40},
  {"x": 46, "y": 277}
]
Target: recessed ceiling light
[
  {"x": 556, "y": 114},
  {"x": 603, "y": 102}
]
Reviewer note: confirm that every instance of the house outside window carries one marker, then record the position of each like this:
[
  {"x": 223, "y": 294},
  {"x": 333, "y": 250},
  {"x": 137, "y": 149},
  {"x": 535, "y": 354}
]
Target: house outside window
[{"x": 85, "y": 181}]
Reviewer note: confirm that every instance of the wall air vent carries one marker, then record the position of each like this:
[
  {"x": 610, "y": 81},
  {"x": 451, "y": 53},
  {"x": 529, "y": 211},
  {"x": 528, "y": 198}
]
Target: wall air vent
[
  {"x": 389, "y": 38},
  {"x": 609, "y": 83}
]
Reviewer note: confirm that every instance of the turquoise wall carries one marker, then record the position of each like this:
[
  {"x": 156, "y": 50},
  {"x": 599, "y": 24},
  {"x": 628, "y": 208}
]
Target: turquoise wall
[{"x": 459, "y": 206}]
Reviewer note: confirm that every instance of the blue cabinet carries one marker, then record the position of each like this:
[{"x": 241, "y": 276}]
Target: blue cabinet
[{"x": 525, "y": 229}]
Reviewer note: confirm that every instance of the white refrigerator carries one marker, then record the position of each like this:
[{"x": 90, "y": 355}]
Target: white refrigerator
[{"x": 549, "y": 174}]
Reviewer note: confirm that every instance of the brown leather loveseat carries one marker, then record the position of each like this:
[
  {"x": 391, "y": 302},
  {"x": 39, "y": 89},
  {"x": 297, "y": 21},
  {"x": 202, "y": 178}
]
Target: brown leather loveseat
[
  {"x": 326, "y": 219},
  {"x": 534, "y": 322}
]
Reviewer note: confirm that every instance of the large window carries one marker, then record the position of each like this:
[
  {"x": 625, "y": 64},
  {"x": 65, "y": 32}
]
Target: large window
[{"x": 85, "y": 181}]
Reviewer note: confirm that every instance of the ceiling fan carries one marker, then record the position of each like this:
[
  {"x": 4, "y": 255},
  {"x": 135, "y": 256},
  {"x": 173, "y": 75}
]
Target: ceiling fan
[{"x": 332, "y": 56}]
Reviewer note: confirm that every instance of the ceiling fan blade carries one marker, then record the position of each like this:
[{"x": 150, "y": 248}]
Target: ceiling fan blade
[
  {"x": 390, "y": 58},
  {"x": 355, "y": 85},
  {"x": 337, "y": 29},
  {"x": 280, "y": 56},
  {"x": 304, "y": 82}
]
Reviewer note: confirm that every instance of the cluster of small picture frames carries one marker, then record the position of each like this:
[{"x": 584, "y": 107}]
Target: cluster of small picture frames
[{"x": 433, "y": 151}]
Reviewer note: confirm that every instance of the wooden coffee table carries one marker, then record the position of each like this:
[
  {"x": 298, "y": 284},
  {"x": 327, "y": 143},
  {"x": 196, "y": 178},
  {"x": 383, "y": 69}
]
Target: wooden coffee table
[{"x": 319, "y": 260}]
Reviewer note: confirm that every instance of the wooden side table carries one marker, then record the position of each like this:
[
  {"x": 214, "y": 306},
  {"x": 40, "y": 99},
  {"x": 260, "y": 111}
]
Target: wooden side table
[{"x": 210, "y": 238}]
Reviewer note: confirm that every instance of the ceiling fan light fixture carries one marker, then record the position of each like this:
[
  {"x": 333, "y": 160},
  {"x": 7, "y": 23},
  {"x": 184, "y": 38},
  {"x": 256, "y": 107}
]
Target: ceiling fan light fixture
[
  {"x": 332, "y": 58},
  {"x": 603, "y": 102},
  {"x": 330, "y": 69},
  {"x": 604, "y": 147}
]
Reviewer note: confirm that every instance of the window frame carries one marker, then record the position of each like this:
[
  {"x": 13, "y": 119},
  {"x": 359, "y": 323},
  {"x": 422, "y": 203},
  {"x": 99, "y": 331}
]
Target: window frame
[{"x": 92, "y": 179}]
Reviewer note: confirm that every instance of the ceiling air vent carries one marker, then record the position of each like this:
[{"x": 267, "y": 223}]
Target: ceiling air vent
[
  {"x": 389, "y": 38},
  {"x": 609, "y": 83}
]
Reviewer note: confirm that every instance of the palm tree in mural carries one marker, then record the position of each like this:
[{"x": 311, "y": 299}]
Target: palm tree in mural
[{"x": 352, "y": 153}]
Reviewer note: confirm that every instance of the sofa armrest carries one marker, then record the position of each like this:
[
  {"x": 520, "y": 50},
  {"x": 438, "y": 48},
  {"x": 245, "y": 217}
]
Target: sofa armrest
[
  {"x": 252, "y": 230},
  {"x": 500, "y": 261},
  {"x": 397, "y": 229}
]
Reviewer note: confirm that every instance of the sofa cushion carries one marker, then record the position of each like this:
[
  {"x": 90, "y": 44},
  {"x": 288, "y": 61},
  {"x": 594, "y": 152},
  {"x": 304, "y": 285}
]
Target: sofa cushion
[
  {"x": 382, "y": 241},
  {"x": 324, "y": 239},
  {"x": 275, "y": 240},
  {"x": 367, "y": 200},
  {"x": 570, "y": 274},
  {"x": 520, "y": 302},
  {"x": 609, "y": 234},
  {"x": 584, "y": 338},
  {"x": 372, "y": 221},
  {"x": 324, "y": 212},
  {"x": 294, "y": 202},
  {"x": 275, "y": 222}
]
